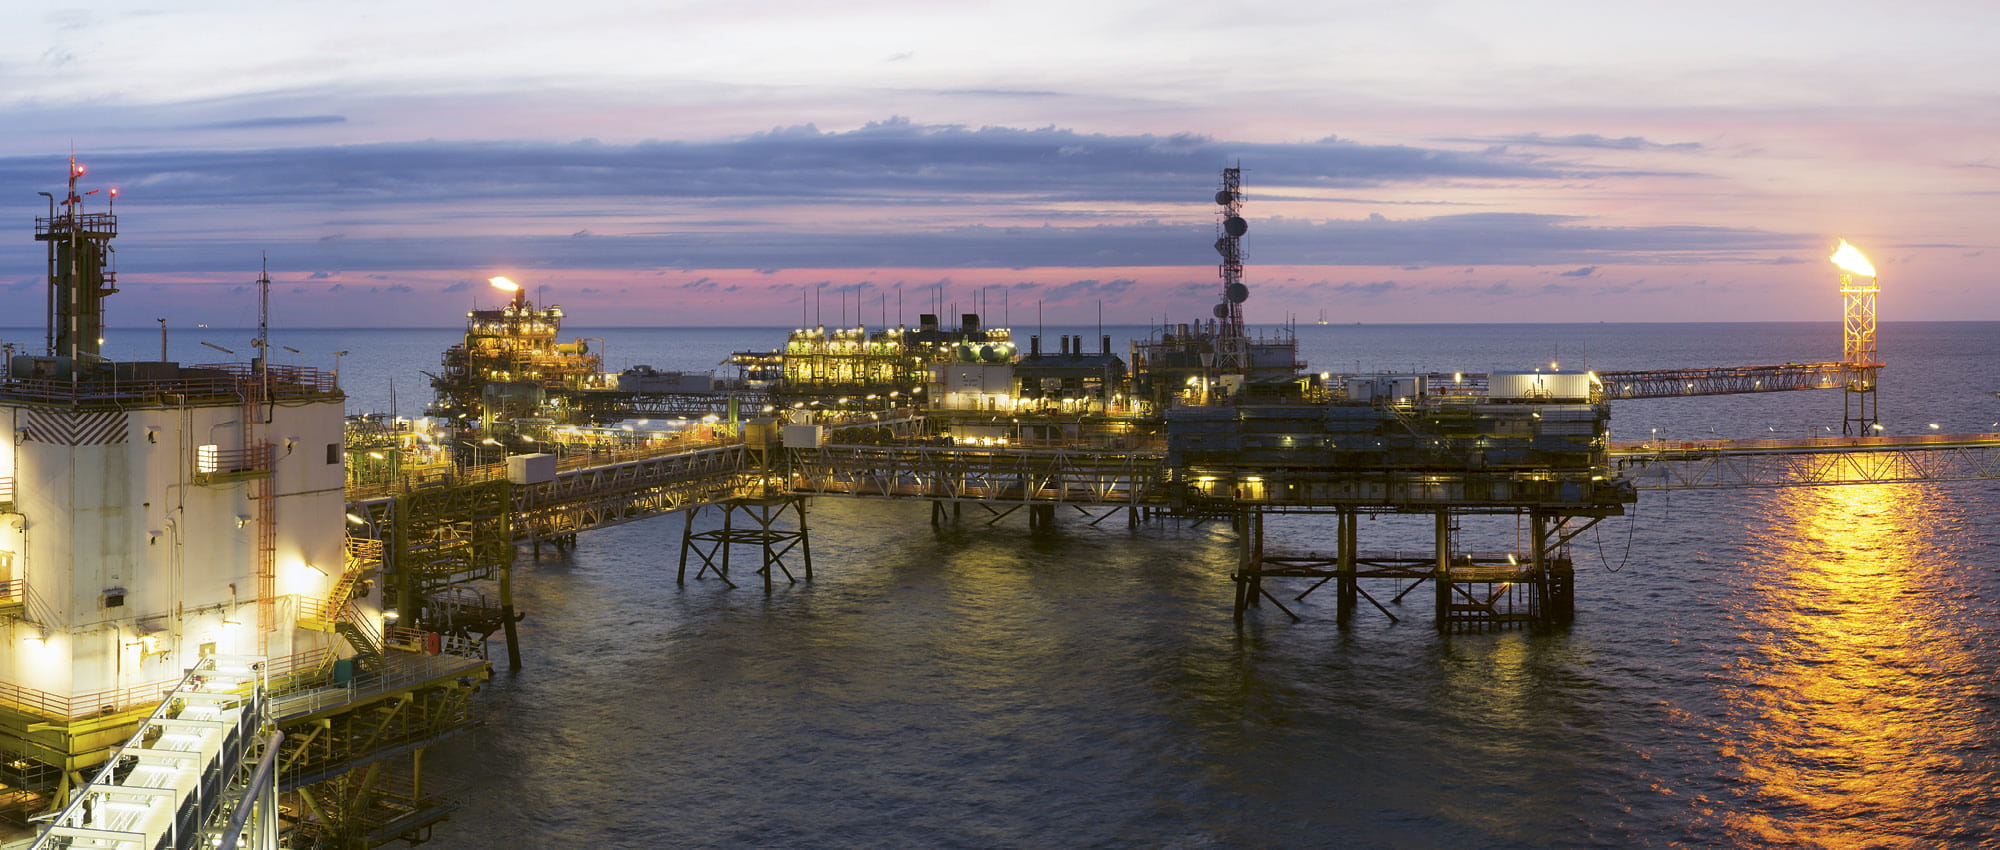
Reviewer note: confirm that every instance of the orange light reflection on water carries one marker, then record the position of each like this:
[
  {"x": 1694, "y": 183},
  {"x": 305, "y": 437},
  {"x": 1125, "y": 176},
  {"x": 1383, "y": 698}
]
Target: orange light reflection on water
[{"x": 1849, "y": 713}]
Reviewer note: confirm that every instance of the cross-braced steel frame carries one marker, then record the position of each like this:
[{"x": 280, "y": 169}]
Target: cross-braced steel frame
[
  {"x": 1471, "y": 590},
  {"x": 1770, "y": 463},
  {"x": 760, "y": 528},
  {"x": 968, "y": 474}
]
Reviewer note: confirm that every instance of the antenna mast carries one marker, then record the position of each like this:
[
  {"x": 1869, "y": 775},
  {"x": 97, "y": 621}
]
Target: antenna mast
[
  {"x": 263, "y": 304},
  {"x": 263, "y": 342},
  {"x": 1232, "y": 352}
]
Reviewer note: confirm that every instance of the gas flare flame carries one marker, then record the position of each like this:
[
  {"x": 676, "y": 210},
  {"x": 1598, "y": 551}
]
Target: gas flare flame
[
  {"x": 1850, "y": 259},
  {"x": 510, "y": 286}
]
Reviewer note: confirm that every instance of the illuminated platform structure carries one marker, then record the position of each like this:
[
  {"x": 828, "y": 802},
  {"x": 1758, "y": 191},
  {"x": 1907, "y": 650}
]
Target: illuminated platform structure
[
  {"x": 854, "y": 369},
  {"x": 1531, "y": 449},
  {"x": 159, "y": 516},
  {"x": 511, "y": 366},
  {"x": 1072, "y": 381},
  {"x": 514, "y": 383},
  {"x": 1180, "y": 365}
]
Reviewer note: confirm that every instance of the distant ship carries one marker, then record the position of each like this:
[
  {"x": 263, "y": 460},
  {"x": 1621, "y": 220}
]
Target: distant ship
[{"x": 1322, "y": 315}]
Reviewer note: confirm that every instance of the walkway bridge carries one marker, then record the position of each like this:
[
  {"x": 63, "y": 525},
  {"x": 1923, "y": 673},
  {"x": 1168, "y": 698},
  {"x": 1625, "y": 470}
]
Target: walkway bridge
[
  {"x": 596, "y": 491},
  {"x": 599, "y": 491},
  {"x": 1700, "y": 381},
  {"x": 1728, "y": 380},
  {"x": 1713, "y": 464}
]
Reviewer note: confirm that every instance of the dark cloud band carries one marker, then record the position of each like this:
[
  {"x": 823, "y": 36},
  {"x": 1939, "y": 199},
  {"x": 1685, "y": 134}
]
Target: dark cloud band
[{"x": 738, "y": 203}]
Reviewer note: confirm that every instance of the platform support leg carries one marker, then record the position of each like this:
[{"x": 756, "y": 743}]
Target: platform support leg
[
  {"x": 1248, "y": 588},
  {"x": 1558, "y": 574},
  {"x": 507, "y": 616},
  {"x": 1441, "y": 572},
  {"x": 687, "y": 542},
  {"x": 1349, "y": 583},
  {"x": 805, "y": 538}
]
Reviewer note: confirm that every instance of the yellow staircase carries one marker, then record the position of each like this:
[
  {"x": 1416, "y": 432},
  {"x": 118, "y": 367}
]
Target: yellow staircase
[
  {"x": 336, "y": 612},
  {"x": 364, "y": 557}
]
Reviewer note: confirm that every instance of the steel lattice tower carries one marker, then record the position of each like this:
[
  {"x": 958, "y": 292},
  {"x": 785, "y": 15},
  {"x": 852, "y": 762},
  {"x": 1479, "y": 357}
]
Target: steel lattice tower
[
  {"x": 1858, "y": 329},
  {"x": 1232, "y": 353}
]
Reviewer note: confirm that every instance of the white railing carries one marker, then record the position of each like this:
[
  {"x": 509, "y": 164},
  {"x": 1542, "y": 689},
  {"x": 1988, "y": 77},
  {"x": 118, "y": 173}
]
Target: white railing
[{"x": 400, "y": 671}]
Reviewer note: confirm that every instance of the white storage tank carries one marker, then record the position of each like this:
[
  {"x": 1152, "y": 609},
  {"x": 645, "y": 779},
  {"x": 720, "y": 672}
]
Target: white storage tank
[
  {"x": 1386, "y": 388},
  {"x": 531, "y": 468},
  {"x": 804, "y": 436},
  {"x": 1538, "y": 386}
]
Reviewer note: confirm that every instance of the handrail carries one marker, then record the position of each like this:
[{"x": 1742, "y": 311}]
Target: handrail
[
  {"x": 363, "y": 626},
  {"x": 1823, "y": 442},
  {"x": 401, "y": 671},
  {"x": 113, "y": 700},
  {"x": 468, "y": 474},
  {"x": 221, "y": 379},
  {"x": 213, "y": 459}
]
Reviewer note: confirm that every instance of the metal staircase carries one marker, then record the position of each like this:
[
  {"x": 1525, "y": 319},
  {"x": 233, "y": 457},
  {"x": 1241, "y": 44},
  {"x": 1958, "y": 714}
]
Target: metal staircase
[{"x": 362, "y": 636}]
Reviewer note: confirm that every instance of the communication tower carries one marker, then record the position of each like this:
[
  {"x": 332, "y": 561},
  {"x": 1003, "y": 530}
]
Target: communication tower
[{"x": 1232, "y": 354}]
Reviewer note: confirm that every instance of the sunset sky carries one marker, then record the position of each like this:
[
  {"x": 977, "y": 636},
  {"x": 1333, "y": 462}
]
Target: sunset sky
[{"x": 681, "y": 163}]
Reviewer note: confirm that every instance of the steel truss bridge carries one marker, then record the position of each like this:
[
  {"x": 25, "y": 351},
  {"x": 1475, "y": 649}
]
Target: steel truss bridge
[
  {"x": 1678, "y": 383},
  {"x": 1729, "y": 380},
  {"x": 754, "y": 485},
  {"x": 1717, "y": 464},
  {"x": 588, "y": 496}
]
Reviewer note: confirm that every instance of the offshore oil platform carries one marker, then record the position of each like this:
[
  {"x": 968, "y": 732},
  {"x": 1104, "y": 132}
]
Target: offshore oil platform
[
  {"x": 229, "y": 613},
  {"x": 1205, "y": 421}
]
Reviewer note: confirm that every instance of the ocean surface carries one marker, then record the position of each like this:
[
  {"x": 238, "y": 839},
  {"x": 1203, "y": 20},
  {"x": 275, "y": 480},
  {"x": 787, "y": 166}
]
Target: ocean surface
[{"x": 1788, "y": 667}]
